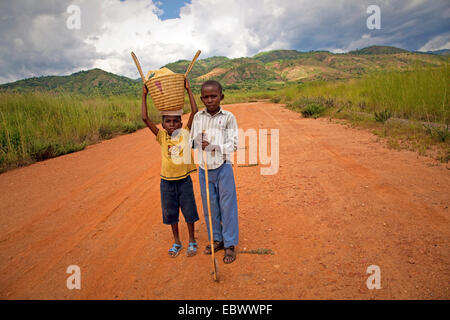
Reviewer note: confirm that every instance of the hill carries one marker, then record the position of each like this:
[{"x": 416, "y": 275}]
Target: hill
[
  {"x": 84, "y": 82},
  {"x": 265, "y": 69},
  {"x": 441, "y": 52},
  {"x": 201, "y": 67},
  {"x": 379, "y": 50},
  {"x": 274, "y": 68},
  {"x": 268, "y": 56}
]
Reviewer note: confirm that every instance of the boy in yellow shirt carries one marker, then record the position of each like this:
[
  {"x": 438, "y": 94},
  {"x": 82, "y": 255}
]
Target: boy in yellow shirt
[{"x": 177, "y": 164}]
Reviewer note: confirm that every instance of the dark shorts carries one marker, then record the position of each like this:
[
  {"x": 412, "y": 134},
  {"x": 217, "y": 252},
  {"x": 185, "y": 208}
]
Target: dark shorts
[{"x": 175, "y": 195}]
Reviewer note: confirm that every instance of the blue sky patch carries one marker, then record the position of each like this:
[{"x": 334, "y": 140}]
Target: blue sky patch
[{"x": 171, "y": 8}]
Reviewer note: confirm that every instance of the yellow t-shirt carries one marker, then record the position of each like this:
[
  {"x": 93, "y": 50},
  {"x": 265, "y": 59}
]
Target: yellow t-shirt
[{"x": 176, "y": 156}]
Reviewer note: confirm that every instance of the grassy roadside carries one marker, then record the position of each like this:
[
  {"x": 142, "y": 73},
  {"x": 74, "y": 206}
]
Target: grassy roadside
[
  {"x": 38, "y": 126},
  {"x": 400, "y": 134},
  {"x": 409, "y": 110}
]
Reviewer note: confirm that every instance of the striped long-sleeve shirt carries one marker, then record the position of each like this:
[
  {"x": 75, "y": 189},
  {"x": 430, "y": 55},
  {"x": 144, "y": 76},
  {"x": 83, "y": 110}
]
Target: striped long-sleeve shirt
[{"x": 221, "y": 130}]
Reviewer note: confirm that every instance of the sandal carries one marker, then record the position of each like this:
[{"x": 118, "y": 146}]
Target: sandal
[
  {"x": 231, "y": 255},
  {"x": 218, "y": 245},
  {"x": 175, "y": 250},
  {"x": 192, "y": 249}
]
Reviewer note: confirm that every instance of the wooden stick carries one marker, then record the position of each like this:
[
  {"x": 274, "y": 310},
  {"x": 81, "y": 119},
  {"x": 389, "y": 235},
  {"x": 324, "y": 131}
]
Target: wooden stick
[
  {"x": 192, "y": 63},
  {"x": 138, "y": 65},
  {"x": 211, "y": 233},
  {"x": 235, "y": 168}
]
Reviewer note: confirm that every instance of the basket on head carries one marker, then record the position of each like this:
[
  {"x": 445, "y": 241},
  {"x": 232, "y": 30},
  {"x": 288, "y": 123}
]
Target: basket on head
[{"x": 166, "y": 91}]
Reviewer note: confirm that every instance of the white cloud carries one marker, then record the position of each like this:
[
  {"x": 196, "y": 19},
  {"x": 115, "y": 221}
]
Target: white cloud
[
  {"x": 233, "y": 28},
  {"x": 439, "y": 42},
  {"x": 35, "y": 39},
  {"x": 366, "y": 40}
]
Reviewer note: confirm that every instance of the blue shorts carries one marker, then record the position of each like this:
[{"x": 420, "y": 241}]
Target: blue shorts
[{"x": 175, "y": 195}]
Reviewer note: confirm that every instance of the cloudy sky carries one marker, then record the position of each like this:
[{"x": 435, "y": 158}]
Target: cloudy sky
[{"x": 59, "y": 37}]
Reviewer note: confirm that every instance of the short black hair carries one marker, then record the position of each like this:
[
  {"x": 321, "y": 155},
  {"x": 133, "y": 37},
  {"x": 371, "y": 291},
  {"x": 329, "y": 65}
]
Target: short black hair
[{"x": 213, "y": 83}]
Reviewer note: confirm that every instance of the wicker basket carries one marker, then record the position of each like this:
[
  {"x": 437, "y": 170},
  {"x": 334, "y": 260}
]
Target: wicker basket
[{"x": 167, "y": 91}]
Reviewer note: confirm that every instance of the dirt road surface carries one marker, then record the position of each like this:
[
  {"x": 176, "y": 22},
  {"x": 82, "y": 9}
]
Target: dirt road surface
[{"x": 339, "y": 203}]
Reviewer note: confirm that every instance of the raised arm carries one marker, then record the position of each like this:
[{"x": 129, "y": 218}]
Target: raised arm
[
  {"x": 194, "y": 108},
  {"x": 145, "y": 117}
]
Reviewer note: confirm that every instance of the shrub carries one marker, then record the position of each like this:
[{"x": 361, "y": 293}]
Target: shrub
[
  {"x": 105, "y": 131},
  {"x": 440, "y": 133},
  {"x": 383, "y": 116},
  {"x": 275, "y": 99},
  {"x": 129, "y": 127},
  {"x": 312, "y": 111}
]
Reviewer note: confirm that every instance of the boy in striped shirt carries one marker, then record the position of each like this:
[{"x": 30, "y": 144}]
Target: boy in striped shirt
[{"x": 219, "y": 142}]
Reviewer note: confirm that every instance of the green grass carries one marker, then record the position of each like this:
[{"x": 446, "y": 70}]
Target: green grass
[
  {"x": 37, "y": 126},
  {"x": 395, "y": 105},
  {"x": 421, "y": 94},
  {"x": 312, "y": 110},
  {"x": 260, "y": 251}
]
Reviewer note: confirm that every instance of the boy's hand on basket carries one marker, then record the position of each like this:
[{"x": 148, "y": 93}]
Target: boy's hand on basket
[{"x": 144, "y": 90}]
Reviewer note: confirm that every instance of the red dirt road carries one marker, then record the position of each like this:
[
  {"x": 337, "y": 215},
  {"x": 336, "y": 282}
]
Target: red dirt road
[{"x": 339, "y": 203}]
